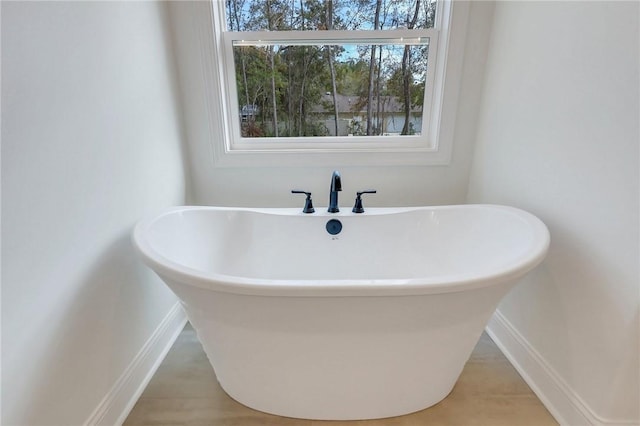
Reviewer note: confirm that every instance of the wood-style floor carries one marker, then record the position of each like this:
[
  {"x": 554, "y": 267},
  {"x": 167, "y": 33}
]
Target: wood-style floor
[{"x": 184, "y": 391}]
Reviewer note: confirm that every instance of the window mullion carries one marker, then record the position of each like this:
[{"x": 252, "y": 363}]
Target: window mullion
[{"x": 329, "y": 37}]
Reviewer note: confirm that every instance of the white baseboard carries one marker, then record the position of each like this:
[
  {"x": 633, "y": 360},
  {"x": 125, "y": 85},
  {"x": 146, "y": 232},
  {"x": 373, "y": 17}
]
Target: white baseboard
[
  {"x": 119, "y": 401},
  {"x": 564, "y": 404}
]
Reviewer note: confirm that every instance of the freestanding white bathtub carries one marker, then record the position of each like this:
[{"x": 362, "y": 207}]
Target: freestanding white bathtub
[{"x": 375, "y": 321}]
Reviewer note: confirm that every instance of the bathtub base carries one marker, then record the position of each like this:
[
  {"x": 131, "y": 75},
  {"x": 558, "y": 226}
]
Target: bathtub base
[
  {"x": 344, "y": 409},
  {"x": 339, "y": 358},
  {"x": 326, "y": 412}
]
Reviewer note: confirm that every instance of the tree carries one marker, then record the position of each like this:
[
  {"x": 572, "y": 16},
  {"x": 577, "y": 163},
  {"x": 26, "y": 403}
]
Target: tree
[
  {"x": 236, "y": 16},
  {"x": 407, "y": 75},
  {"x": 372, "y": 64},
  {"x": 332, "y": 70}
]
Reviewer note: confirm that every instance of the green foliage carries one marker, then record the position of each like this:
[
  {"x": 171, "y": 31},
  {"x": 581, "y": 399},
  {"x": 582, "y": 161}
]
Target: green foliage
[
  {"x": 292, "y": 85},
  {"x": 352, "y": 77}
]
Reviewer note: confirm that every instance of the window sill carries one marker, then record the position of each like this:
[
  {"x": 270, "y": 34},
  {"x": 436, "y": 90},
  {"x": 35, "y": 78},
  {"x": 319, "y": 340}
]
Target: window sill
[{"x": 329, "y": 157}]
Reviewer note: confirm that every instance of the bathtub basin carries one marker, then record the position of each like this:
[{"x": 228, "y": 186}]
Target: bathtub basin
[{"x": 375, "y": 321}]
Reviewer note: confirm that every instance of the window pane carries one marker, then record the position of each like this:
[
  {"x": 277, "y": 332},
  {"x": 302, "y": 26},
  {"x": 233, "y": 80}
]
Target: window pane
[
  {"x": 322, "y": 90},
  {"x": 313, "y": 15}
]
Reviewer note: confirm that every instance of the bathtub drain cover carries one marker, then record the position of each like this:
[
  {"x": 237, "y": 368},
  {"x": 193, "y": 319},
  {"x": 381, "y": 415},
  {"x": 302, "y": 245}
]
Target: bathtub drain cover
[{"x": 334, "y": 226}]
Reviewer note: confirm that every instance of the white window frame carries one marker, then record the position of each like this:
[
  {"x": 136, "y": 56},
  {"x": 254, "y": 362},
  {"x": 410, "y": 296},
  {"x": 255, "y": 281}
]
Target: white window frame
[{"x": 433, "y": 147}]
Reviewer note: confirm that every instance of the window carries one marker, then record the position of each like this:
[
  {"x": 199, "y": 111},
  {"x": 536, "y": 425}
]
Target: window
[{"x": 331, "y": 81}]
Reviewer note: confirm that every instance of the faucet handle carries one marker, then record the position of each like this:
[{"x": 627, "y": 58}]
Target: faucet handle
[
  {"x": 308, "y": 204},
  {"x": 357, "y": 208}
]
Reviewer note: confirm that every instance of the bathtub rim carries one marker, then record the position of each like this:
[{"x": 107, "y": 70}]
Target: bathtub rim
[{"x": 166, "y": 268}]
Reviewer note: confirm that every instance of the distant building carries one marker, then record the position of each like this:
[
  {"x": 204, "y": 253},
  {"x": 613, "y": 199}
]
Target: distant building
[
  {"x": 248, "y": 111},
  {"x": 352, "y": 120}
]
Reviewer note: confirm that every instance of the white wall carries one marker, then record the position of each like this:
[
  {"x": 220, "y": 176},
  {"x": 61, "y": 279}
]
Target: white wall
[
  {"x": 558, "y": 136},
  {"x": 271, "y": 186},
  {"x": 90, "y": 143}
]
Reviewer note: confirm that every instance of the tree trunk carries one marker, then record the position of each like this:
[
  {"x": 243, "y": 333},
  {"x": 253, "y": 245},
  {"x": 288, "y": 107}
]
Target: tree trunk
[
  {"x": 334, "y": 88},
  {"x": 332, "y": 68},
  {"x": 378, "y": 125},
  {"x": 290, "y": 115},
  {"x": 301, "y": 113},
  {"x": 273, "y": 91},
  {"x": 372, "y": 65},
  {"x": 273, "y": 74},
  {"x": 406, "y": 74},
  {"x": 406, "y": 92}
]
